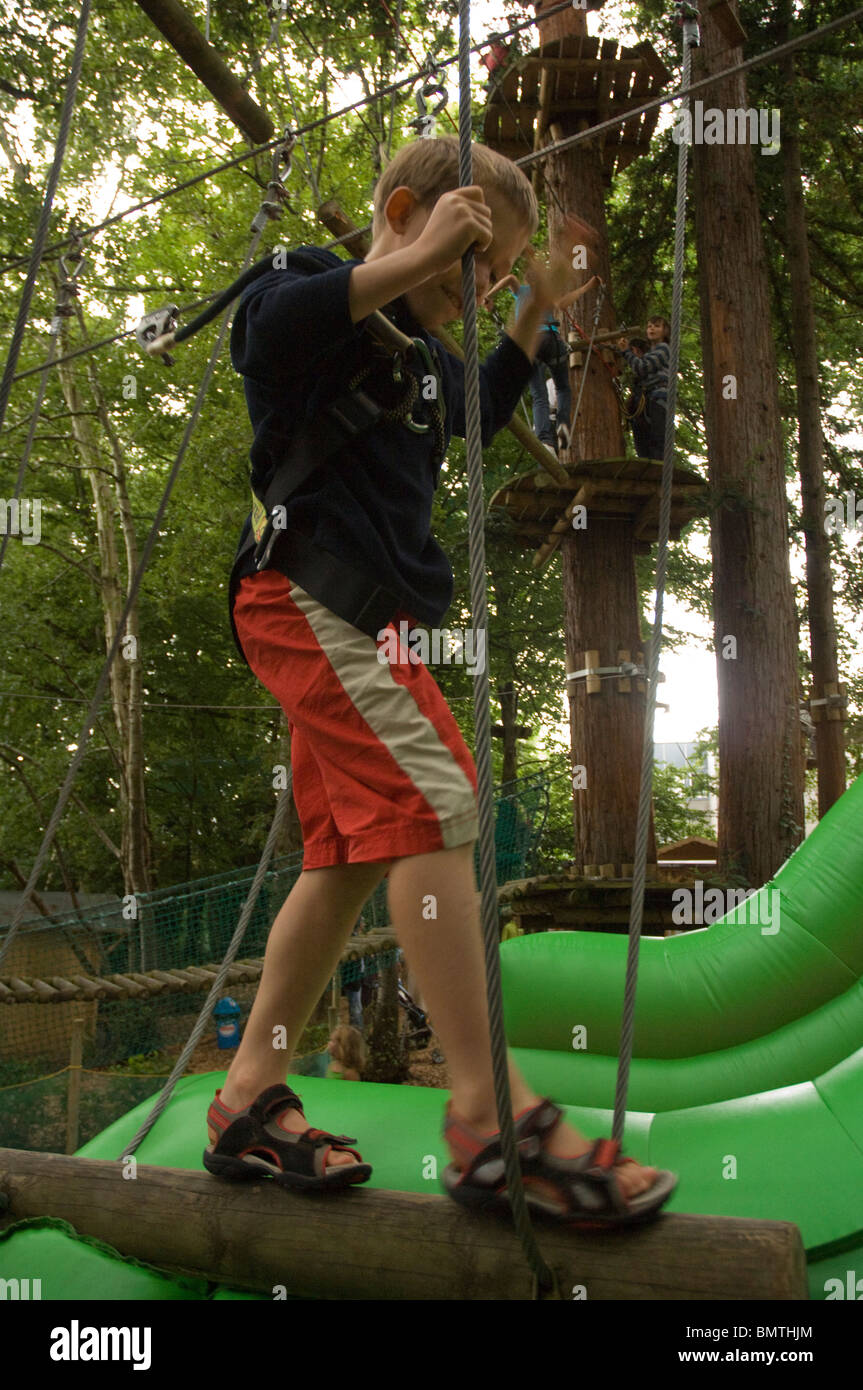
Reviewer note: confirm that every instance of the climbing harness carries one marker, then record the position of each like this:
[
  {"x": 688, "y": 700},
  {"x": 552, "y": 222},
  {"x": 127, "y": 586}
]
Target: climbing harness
[{"x": 348, "y": 590}]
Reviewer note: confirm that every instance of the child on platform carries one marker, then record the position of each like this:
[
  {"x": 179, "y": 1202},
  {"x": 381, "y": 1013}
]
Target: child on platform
[
  {"x": 650, "y": 372},
  {"x": 384, "y": 783},
  {"x": 552, "y": 353}
]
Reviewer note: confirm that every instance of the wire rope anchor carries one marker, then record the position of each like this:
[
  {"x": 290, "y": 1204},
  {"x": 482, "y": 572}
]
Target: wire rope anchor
[{"x": 625, "y": 668}]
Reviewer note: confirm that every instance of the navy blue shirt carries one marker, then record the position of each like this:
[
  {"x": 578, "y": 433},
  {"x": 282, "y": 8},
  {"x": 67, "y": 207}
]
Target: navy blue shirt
[{"x": 369, "y": 505}]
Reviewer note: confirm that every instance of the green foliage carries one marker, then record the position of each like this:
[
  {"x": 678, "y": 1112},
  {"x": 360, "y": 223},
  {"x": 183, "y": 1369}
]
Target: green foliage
[
  {"x": 674, "y": 820},
  {"x": 144, "y": 1064}
]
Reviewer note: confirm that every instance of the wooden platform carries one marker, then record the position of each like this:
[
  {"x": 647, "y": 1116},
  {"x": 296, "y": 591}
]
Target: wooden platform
[
  {"x": 596, "y": 900},
  {"x": 616, "y": 489},
  {"x": 581, "y": 77},
  {"x": 374, "y": 1244}
]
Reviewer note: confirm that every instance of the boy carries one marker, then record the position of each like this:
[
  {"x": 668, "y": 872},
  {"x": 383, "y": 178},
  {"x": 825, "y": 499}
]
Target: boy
[
  {"x": 650, "y": 370},
  {"x": 383, "y": 780}
]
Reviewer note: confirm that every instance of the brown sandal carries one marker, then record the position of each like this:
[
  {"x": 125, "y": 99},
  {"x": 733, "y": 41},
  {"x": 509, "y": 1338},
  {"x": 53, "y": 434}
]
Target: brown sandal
[{"x": 252, "y": 1145}]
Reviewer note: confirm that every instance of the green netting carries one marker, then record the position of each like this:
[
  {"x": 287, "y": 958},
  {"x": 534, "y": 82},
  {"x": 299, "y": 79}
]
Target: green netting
[{"x": 189, "y": 924}]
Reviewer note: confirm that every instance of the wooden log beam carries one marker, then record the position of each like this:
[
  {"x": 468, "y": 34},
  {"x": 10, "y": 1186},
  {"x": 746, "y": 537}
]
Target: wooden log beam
[
  {"x": 176, "y": 24},
  {"x": 369, "y": 1244}
]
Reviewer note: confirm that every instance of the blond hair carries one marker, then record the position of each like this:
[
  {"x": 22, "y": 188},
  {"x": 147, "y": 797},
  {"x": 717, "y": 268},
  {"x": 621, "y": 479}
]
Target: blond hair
[
  {"x": 430, "y": 168},
  {"x": 351, "y": 1047}
]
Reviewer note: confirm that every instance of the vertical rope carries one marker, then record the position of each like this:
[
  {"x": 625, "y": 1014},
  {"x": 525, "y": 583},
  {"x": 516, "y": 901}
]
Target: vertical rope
[
  {"x": 47, "y": 204},
  {"x": 600, "y": 296},
  {"x": 398, "y": 22},
  {"x": 639, "y": 874},
  {"x": 479, "y": 615},
  {"x": 218, "y": 984}
]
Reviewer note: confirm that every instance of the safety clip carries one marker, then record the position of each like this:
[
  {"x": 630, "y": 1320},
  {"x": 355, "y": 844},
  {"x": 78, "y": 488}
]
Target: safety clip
[
  {"x": 424, "y": 121},
  {"x": 69, "y": 288},
  {"x": 155, "y": 332}
]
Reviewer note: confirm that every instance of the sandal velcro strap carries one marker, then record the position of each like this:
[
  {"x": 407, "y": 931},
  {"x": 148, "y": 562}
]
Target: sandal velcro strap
[
  {"x": 541, "y": 1119},
  {"x": 603, "y": 1155},
  {"x": 322, "y": 1136},
  {"x": 273, "y": 1101}
]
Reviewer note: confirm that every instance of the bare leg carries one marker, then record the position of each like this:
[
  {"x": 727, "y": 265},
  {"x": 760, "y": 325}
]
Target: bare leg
[
  {"x": 446, "y": 954},
  {"x": 302, "y": 953}
]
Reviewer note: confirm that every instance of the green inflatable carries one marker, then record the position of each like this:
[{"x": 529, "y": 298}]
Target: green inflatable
[{"x": 746, "y": 1079}]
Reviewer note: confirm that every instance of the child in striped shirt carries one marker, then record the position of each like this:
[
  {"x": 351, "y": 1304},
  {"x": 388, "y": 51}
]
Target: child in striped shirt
[{"x": 650, "y": 371}]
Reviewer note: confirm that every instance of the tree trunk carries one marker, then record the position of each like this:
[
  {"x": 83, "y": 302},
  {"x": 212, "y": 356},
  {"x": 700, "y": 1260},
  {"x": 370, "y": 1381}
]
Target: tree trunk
[
  {"x": 508, "y": 726},
  {"x": 600, "y": 594},
  {"x": 760, "y": 746},
  {"x": 607, "y": 728},
  {"x": 829, "y": 733},
  {"x": 110, "y": 495},
  {"x": 138, "y": 852},
  {"x": 388, "y": 1061}
]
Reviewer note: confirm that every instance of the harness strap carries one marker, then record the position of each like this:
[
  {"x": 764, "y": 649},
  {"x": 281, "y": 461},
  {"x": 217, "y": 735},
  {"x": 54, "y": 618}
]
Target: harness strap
[
  {"x": 351, "y": 592},
  {"x": 349, "y": 415}
]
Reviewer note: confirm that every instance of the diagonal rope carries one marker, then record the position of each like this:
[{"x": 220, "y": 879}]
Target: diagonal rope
[
  {"x": 276, "y": 36},
  {"x": 398, "y": 28},
  {"x": 182, "y": 311},
  {"x": 409, "y": 81},
  {"x": 639, "y": 874},
  {"x": 205, "y": 1016},
  {"x": 119, "y": 635},
  {"x": 543, "y": 1276},
  {"x": 67, "y": 289},
  {"x": 47, "y": 204},
  {"x": 597, "y": 309},
  {"x": 768, "y": 56}
]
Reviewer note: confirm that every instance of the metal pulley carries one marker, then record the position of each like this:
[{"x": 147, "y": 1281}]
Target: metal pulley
[{"x": 156, "y": 329}]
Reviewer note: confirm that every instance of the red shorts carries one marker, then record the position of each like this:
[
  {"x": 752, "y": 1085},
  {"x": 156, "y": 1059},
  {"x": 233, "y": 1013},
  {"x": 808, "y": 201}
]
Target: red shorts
[{"x": 381, "y": 770}]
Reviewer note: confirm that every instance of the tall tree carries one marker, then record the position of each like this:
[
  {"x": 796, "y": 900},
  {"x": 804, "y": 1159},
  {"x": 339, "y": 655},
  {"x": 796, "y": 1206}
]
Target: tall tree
[
  {"x": 760, "y": 746},
  {"x": 598, "y": 616},
  {"x": 829, "y": 730}
]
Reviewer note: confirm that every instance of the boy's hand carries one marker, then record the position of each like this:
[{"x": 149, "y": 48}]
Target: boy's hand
[
  {"x": 459, "y": 219},
  {"x": 547, "y": 282},
  {"x": 623, "y": 344}
]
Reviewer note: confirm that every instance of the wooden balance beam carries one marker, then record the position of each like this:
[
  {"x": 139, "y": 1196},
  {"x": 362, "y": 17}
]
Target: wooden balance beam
[{"x": 372, "y": 1244}]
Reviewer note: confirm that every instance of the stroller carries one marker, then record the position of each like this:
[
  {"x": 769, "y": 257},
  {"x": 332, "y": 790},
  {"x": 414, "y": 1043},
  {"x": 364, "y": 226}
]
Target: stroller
[{"x": 417, "y": 1033}]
